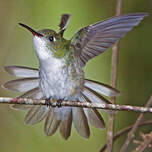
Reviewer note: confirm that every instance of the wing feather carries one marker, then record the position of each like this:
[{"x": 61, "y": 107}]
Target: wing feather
[{"x": 95, "y": 39}]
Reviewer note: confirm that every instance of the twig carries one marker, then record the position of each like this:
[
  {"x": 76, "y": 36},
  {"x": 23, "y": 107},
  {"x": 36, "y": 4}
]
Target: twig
[
  {"x": 131, "y": 134},
  {"x": 113, "y": 83},
  {"x": 115, "y": 107},
  {"x": 125, "y": 130},
  {"x": 147, "y": 140}
]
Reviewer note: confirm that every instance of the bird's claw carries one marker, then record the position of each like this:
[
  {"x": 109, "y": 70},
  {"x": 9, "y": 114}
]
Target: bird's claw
[
  {"x": 48, "y": 103},
  {"x": 59, "y": 103}
]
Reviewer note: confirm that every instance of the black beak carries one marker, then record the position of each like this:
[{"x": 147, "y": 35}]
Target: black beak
[{"x": 31, "y": 30}]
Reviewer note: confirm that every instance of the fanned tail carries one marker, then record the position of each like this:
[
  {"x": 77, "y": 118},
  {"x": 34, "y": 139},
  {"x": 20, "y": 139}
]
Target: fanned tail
[
  {"x": 29, "y": 83},
  {"x": 93, "y": 89},
  {"x": 58, "y": 117}
]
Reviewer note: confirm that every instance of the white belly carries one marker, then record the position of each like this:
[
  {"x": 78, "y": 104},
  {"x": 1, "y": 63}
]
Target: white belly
[{"x": 56, "y": 81}]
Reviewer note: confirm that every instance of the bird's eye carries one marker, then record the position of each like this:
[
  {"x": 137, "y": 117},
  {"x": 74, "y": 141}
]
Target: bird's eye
[{"x": 52, "y": 38}]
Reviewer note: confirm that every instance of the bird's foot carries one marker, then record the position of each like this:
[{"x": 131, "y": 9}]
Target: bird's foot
[
  {"x": 59, "y": 103},
  {"x": 48, "y": 102}
]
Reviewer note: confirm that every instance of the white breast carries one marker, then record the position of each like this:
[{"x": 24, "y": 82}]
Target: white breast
[{"x": 55, "y": 80}]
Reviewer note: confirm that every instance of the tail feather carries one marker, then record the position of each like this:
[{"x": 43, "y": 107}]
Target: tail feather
[
  {"x": 65, "y": 127},
  {"x": 20, "y": 71},
  {"x": 93, "y": 115},
  {"x": 34, "y": 94},
  {"x": 59, "y": 117},
  {"x": 80, "y": 122},
  {"x": 22, "y": 85},
  {"x": 101, "y": 88},
  {"x": 95, "y": 118},
  {"x": 51, "y": 123},
  {"x": 20, "y": 107},
  {"x": 35, "y": 114},
  {"x": 93, "y": 96}
]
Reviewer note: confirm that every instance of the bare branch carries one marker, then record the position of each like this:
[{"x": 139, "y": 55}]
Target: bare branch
[
  {"x": 113, "y": 83},
  {"x": 131, "y": 134},
  {"x": 125, "y": 130},
  {"x": 115, "y": 107}
]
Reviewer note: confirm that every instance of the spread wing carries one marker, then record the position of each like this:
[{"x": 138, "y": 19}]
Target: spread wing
[{"x": 93, "y": 40}]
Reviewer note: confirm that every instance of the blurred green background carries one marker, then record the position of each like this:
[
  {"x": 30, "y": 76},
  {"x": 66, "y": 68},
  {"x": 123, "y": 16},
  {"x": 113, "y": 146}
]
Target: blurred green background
[{"x": 16, "y": 48}]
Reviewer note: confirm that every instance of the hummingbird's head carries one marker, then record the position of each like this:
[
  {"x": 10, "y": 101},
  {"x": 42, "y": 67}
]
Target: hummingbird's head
[{"x": 48, "y": 43}]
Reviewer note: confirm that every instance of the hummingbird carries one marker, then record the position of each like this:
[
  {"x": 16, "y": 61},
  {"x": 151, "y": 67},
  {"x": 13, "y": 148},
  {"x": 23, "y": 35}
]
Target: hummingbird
[{"x": 60, "y": 75}]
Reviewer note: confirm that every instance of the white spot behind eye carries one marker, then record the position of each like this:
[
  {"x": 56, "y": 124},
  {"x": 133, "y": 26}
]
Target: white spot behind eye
[{"x": 54, "y": 39}]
